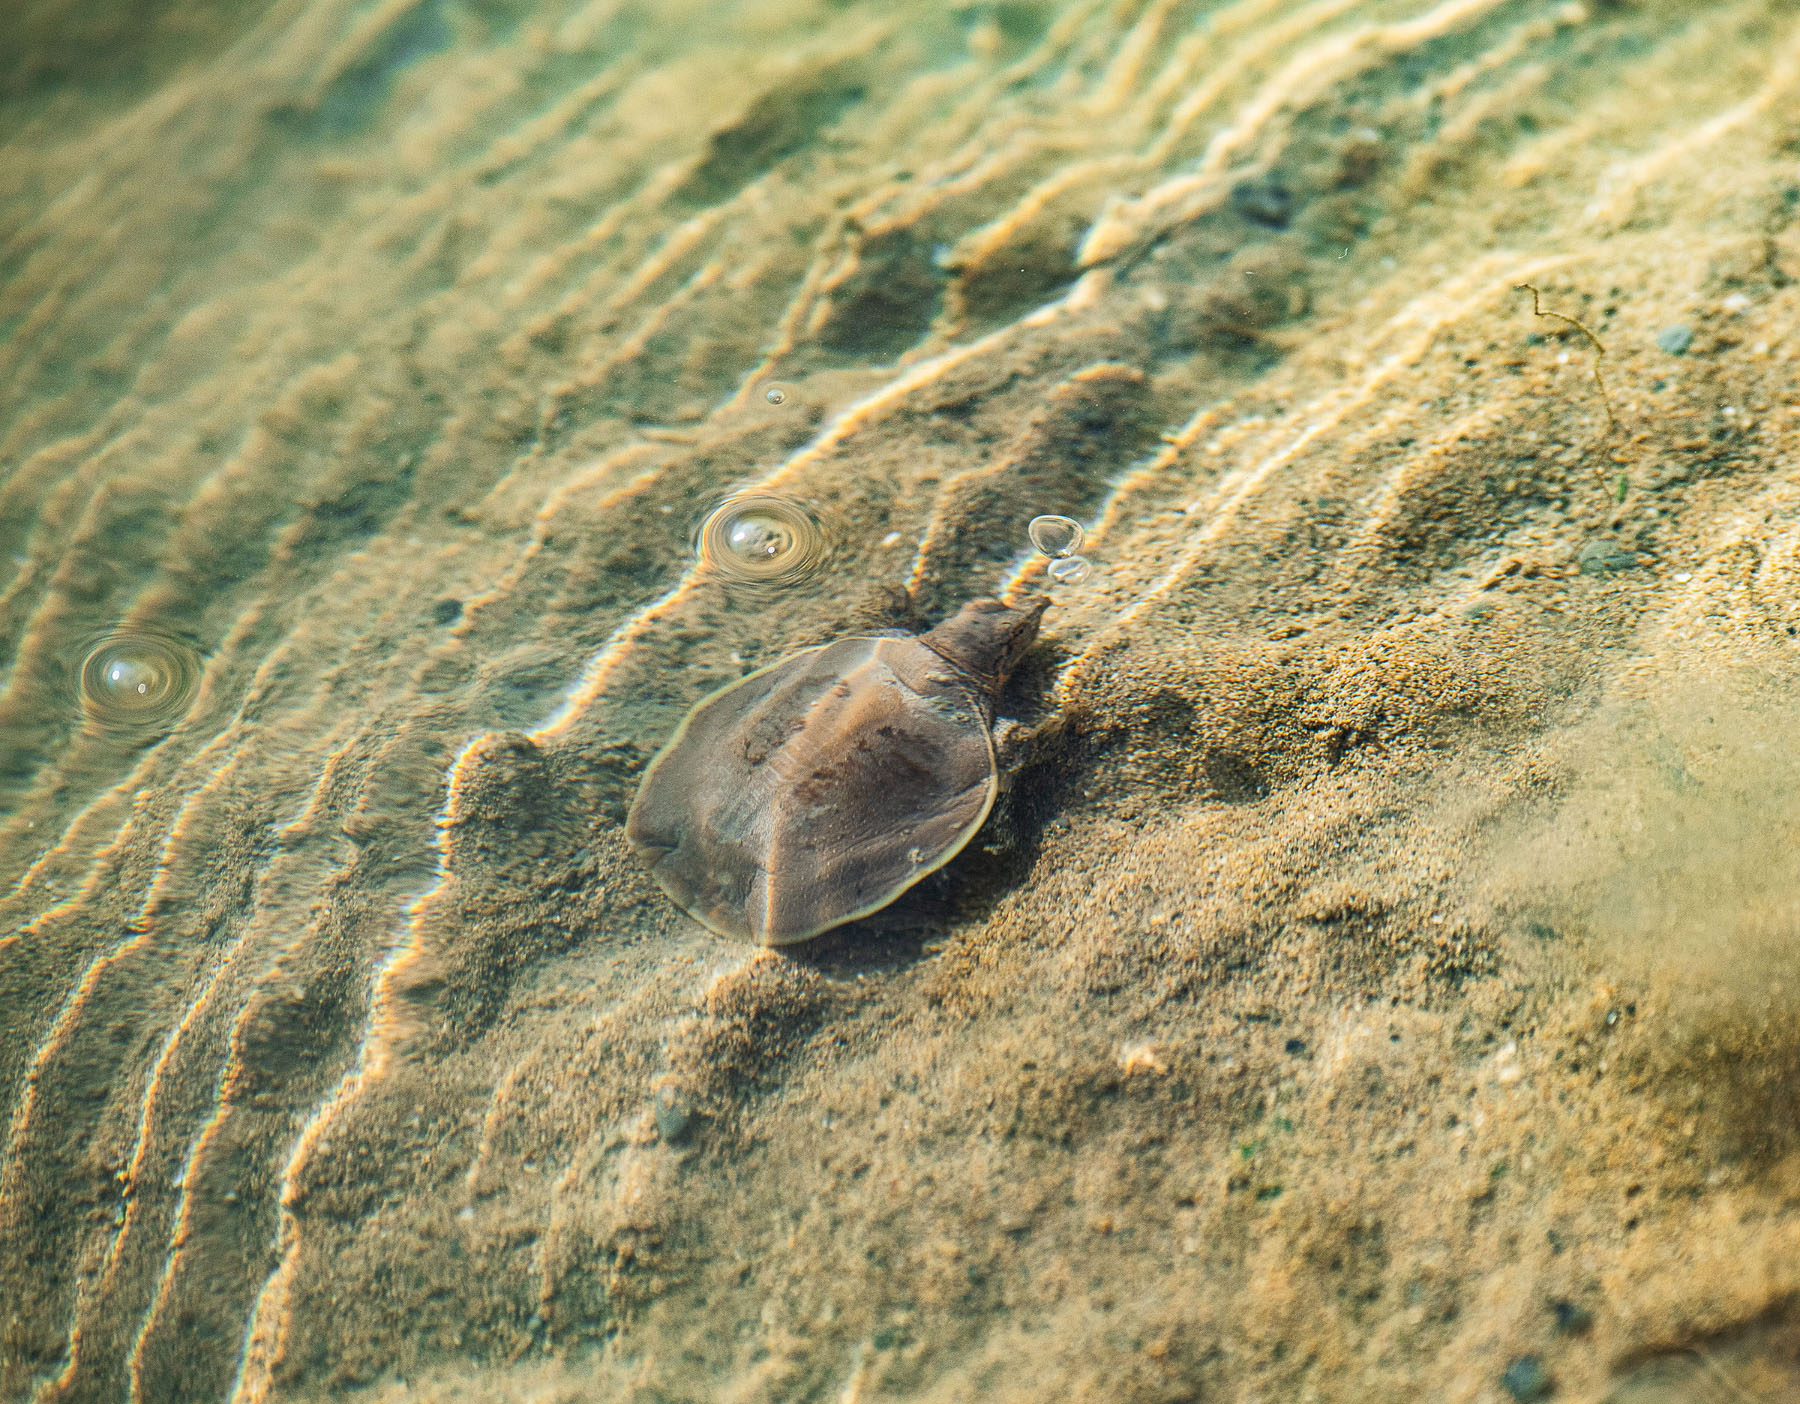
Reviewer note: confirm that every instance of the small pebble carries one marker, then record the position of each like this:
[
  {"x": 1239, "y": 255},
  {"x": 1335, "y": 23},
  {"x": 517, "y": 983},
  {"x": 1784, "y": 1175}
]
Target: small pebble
[
  {"x": 1675, "y": 340},
  {"x": 672, "y": 1114},
  {"x": 1605, "y": 557},
  {"x": 1571, "y": 1320},
  {"x": 1526, "y": 1379},
  {"x": 1263, "y": 201}
]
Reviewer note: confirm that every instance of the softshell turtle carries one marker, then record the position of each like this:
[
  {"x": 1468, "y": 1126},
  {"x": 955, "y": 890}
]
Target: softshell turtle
[{"x": 818, "y": 789}]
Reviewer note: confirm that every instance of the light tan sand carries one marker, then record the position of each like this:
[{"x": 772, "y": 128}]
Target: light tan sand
[{"x": 1381, "y": 979}]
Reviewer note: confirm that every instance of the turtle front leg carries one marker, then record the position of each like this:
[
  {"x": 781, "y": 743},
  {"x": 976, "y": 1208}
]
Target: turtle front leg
[{"x": 1012, "y": 743}]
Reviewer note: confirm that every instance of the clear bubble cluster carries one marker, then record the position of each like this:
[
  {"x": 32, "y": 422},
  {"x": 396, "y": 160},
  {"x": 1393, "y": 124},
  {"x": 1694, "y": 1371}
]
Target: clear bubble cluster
[
  {"x": 1056, "y": 536},
  {"x": 1060, "y": 538},
  {"x": 136, "y": 682},
  {"x": 763, "y": 540}
]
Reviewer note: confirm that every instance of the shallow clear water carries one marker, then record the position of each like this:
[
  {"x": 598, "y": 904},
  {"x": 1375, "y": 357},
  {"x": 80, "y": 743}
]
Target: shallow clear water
[{"x": 1376, "y": 977}]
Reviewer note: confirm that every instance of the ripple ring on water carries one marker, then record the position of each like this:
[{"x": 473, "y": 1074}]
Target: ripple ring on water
[
  {"x": 136, "y": 682},
  {"x": 760, "y": 539}
]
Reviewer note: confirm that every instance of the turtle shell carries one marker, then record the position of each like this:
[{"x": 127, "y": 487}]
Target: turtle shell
[{"x": 818, "y": 789}]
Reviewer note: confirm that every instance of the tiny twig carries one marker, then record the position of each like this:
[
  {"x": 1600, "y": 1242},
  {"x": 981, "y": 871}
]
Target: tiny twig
[
  {"x": 1612, "y": 423},
  {"x": 1718, "y": 1373}
]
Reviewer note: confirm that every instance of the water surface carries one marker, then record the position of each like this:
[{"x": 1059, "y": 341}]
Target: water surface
[{"x": 1380, "y": 980}]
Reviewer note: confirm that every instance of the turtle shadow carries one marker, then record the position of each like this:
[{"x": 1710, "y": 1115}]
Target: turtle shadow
[
  {"x": 883, "y": 944},
  {"x": 1052, "y": 764},
  {"x": 911, "y": 928}
]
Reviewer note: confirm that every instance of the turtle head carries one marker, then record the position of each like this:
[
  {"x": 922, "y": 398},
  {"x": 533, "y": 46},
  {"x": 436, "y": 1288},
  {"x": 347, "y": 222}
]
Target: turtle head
[{"x": 986, "y": 639}]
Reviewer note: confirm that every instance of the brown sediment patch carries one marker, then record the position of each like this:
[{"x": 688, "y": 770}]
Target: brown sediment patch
[{"x": 1314, "y": 1021}]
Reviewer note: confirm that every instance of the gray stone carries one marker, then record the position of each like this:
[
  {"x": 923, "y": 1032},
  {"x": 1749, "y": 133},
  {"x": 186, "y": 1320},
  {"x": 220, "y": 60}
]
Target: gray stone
[
  {"x": 674, "y": 1117},
  {"x": 1526, "y": 1379},
  {"x": 1675, "y": 340},
  {"x": 1605, "y": 557}
]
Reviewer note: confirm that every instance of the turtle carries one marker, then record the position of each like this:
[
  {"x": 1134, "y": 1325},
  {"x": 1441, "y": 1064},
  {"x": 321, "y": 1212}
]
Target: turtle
[{"x": 818, "y": 789}]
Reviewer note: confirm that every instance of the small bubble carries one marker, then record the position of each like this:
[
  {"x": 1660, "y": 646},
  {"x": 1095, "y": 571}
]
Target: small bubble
[
  {"x": 136, "y": 682},
  {"x": 1070, "y": 570},
  {"x": 776, "y": 394},
  {"x": 765, "y": 540},
  {"x": 1055, "y": 536},
  {"x": 754, "y": 538}
]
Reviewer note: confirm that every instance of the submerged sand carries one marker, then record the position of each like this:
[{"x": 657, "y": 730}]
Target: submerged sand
[{"x": 1380, "y": 981}]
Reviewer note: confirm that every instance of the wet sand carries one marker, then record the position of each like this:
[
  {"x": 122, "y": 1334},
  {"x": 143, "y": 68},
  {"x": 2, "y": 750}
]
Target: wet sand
[{"x": 1380, "y": 979}]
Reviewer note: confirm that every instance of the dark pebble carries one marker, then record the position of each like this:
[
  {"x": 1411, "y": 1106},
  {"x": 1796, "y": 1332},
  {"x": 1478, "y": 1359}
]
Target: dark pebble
[
  {"x": 1604, "y": 557},
  {"x": 1526, "y": 1379},
  {"x": 1266, "y": 201},
  {"x": 674, "y": 1118},
  {"x": 1571, "y": 1320},
  {"x": 1675, "y": 340}
]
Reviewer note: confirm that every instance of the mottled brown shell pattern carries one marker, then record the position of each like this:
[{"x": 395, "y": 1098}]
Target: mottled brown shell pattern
[{"x": 818, "y": 789}]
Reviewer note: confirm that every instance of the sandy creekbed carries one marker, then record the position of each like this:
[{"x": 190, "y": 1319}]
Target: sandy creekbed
[{"x": 1381, "y": 979}]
